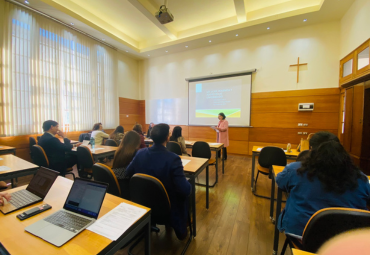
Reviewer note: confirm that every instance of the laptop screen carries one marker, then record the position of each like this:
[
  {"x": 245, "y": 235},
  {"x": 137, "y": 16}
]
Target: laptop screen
[
  {"x": 86, "y": 197},
  {"x": 42, "y": 182}
]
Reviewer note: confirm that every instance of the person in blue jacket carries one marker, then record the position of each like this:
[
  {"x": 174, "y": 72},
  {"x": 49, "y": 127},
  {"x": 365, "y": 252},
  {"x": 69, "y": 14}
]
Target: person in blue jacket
[
  {"x": 326, "y": 178},
  {"x": 166, "y": 166}
]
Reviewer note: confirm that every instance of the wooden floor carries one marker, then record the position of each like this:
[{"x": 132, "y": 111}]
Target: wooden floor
[{"x": 237, "y": 222}]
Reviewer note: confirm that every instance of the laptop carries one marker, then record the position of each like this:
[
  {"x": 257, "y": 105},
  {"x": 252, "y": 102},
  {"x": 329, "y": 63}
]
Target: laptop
[
  {"x": 80, "y": 210},
  {"x": 85, "y": 142},
  {"x": 35, "y": 192}
]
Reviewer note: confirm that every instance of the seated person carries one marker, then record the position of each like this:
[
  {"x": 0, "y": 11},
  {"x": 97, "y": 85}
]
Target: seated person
[
  {"x": 56, "y": 150},
  {"x": 122, "y": 158},
  {"x": 117, "y": 135},
  {"x": 177, "y": 137},
  {"x": 326, "y": 178},
  {"x": 2, "y": 196},
  {"x": 139, "y": 129},
  {"x": 166, "y": 166},
  {"x": 151, "y": 125},
  {"x": 98, "y": 134}
]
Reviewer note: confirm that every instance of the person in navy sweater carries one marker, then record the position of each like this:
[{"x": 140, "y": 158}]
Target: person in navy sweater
[
  {"x": 326, "y": 178},
  {"x": 166, "y": 166}
]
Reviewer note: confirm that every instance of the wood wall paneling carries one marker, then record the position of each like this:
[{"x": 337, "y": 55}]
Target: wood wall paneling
[
  {"x": 296, "y": 93},
  {"x": 357, "y": 119}
]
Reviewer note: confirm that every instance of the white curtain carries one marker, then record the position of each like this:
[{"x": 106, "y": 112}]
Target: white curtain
[{"x": 52, "y": 72}]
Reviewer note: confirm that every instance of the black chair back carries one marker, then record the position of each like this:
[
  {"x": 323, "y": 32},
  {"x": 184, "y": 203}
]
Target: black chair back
[
  {"x": 330, "y": 222},
  {"x": 111, "y": 142},
  {"x": 84, "y": 157},
  {"x": 103, "y": 173},
  {"x": 303, "y": 155},
  {"x": 174, "y": 147},
  {"x": 33, "y": 142},
  {"x": 148, "y": 191},
  {"x": 84, "y": 136},
  {"x": 39, "y": 156},
  {"x": 201, "y": 150},
  {"x": 270, "y": 156}
]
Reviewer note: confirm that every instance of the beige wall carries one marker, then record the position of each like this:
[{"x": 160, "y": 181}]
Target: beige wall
[
  {"x": 271, "y": 54},
  {"x": 127, "y": 76},
  {"x": 355, "y": 26}
]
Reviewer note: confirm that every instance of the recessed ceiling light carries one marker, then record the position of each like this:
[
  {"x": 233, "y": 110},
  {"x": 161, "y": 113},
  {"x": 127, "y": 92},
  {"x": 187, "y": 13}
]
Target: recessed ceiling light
[
  {"x": 210, "y": 41},
  {"x": 72, "y": 23},
  {"x": 236, "y": 35},
  {"x": 26, "y": 2},
  {"x": 304, "y": 20},
  {"x": 148, "y": 55},
  {"x": 268, "y": 28},
  {"x": 126, "y": 50},
  {"x": 166, "y": 50},
  {"x": 186, "y": 46}
]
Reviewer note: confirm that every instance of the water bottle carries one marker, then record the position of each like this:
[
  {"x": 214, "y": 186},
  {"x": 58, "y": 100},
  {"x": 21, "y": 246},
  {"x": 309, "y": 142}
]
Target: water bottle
[
  {"x": 289, "y": 147},
  {"x": 92, "y": 142}
]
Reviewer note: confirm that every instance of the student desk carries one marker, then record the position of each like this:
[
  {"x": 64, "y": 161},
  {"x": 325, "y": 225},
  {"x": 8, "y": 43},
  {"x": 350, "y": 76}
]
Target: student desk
[
  {"x": 7, "y": 150},
  {"x": 100, "y": 151},
  {"x": 192, "y": 169},
  {"x": 300, "y": 252},
  {"x": 17, "y": 241},
  {"x": 256, "y": 151},
  {"x": 18, "y": 167},
  {"x": 214, "y": 147},
  {"x": 71, "y": 141}
]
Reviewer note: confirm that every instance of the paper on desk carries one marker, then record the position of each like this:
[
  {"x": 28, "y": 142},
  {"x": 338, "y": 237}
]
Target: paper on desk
[
  {"x": 185, "y": 161},
  {"x": 187, "y": 142},
  {"x": 259, "y": 149},
  {"x": 214, "y": 143},
  {"x": 4, "y": 168},
  {"x": 214, "y": 128},
  {"x": 117, "y": 221},
  {"x": 97, "y": 149}
]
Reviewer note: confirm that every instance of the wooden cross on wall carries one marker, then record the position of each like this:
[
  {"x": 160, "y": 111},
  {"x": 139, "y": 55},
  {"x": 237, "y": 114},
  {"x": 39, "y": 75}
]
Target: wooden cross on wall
[{"x": 298, "y": 65}]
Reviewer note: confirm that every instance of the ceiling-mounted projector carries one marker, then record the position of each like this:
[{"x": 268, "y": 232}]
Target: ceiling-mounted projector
[{"x": 163, "y": 15}]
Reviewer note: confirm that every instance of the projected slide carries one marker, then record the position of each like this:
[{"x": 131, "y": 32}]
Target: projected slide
[
  {"x": 213, "y": 98},
  {"x": 230, "y": 95}
]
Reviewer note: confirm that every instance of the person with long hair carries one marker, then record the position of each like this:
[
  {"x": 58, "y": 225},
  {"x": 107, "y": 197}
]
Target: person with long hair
[
  {"x": 122, "y": 158},
  {"x": 98, "y": 134},
  {"x": 118, "y": 134},
  {"x": 327, "y": 177},
  {"x": 139, "y": 129},
  {"x": 177, "y": 137}
]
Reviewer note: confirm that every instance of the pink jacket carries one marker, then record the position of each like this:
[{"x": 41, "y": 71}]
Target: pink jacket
[{"x": 223, "y": 135}]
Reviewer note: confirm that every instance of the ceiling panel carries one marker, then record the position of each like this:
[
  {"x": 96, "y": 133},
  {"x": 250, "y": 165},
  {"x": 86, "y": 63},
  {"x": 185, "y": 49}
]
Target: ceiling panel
[{"x": 124, "y": 16}]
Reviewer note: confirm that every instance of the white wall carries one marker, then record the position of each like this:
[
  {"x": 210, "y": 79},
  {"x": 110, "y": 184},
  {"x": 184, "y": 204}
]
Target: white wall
[
  {"x": 127, "y": 76},
  {"x": 355, "y": 26},
  {"x": 271, "y": 54}
]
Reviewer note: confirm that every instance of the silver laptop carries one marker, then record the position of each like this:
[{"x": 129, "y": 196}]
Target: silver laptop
[
  {"x": 80, "y": 210},
  {"x": 35, "y": 192}
]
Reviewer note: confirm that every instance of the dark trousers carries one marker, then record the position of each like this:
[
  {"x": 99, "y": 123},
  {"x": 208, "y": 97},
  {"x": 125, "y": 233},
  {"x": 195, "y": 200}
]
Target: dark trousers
[
  {"x": 224, "y": 153},
  {"x": 70, "y": 161}
]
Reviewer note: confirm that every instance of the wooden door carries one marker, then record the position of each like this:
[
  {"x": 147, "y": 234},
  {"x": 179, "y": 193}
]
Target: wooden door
[
  {"x": 348, "y": 119},
  {"x": 357, "y": 119}
]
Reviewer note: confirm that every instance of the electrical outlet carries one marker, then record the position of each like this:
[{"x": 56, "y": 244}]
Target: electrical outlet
[
  {"x": 305, "y": 133},
  {"x": 305, "y": 125},
  {"x": 299, "y": 133},
  {"x": 300, "y": 124}
]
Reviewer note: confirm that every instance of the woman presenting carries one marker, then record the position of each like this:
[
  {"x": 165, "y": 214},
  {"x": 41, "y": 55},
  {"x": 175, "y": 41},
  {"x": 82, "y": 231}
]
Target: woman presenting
[{"x": 223, "y": 134}]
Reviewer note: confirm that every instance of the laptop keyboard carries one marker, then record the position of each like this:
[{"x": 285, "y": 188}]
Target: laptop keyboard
[
  {"x": 68, "y": 221},
  {"x": 23, "y": 197}
]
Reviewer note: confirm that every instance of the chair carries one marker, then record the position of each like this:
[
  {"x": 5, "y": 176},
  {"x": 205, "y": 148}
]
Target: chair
[
  {"x": 40, "y": 159},
  {"x": 302, "y": 155},
  {"x": 105, "y": 174},
  {"x": 174, "y": 147},
  {"x": 202, "y": 150},
  {"x": 84, "y": 136},
  {"x": 148, "y": 191},
  {"x": 111, "y": 142},
  {"x": 85, "y": 161},
  {"x": 32, "y": 141},
  {"x": 328, "y": 223},
  {"x": 268, "y": 157}
]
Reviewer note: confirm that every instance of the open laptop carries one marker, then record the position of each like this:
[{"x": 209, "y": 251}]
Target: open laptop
[
  {"x": 80, "y": 210},
  {"x": 35, "y": 192}
]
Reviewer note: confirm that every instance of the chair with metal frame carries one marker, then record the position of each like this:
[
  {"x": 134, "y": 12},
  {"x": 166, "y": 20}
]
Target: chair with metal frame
[
  {"x": 148, "y": 191},
  {"x": 85, "y": 161},
  {"x": 174, "y": 147},
  {"x": 33, "y": 142},
  {"x": 111, "y": 142},
  {"x": 268, "y": 157},
  {"x": 325, "y": 224},
  {"x": 103, "y": 173},
  {"x": 202, "y": 150},
  {"x": 41, "y": 159}
]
